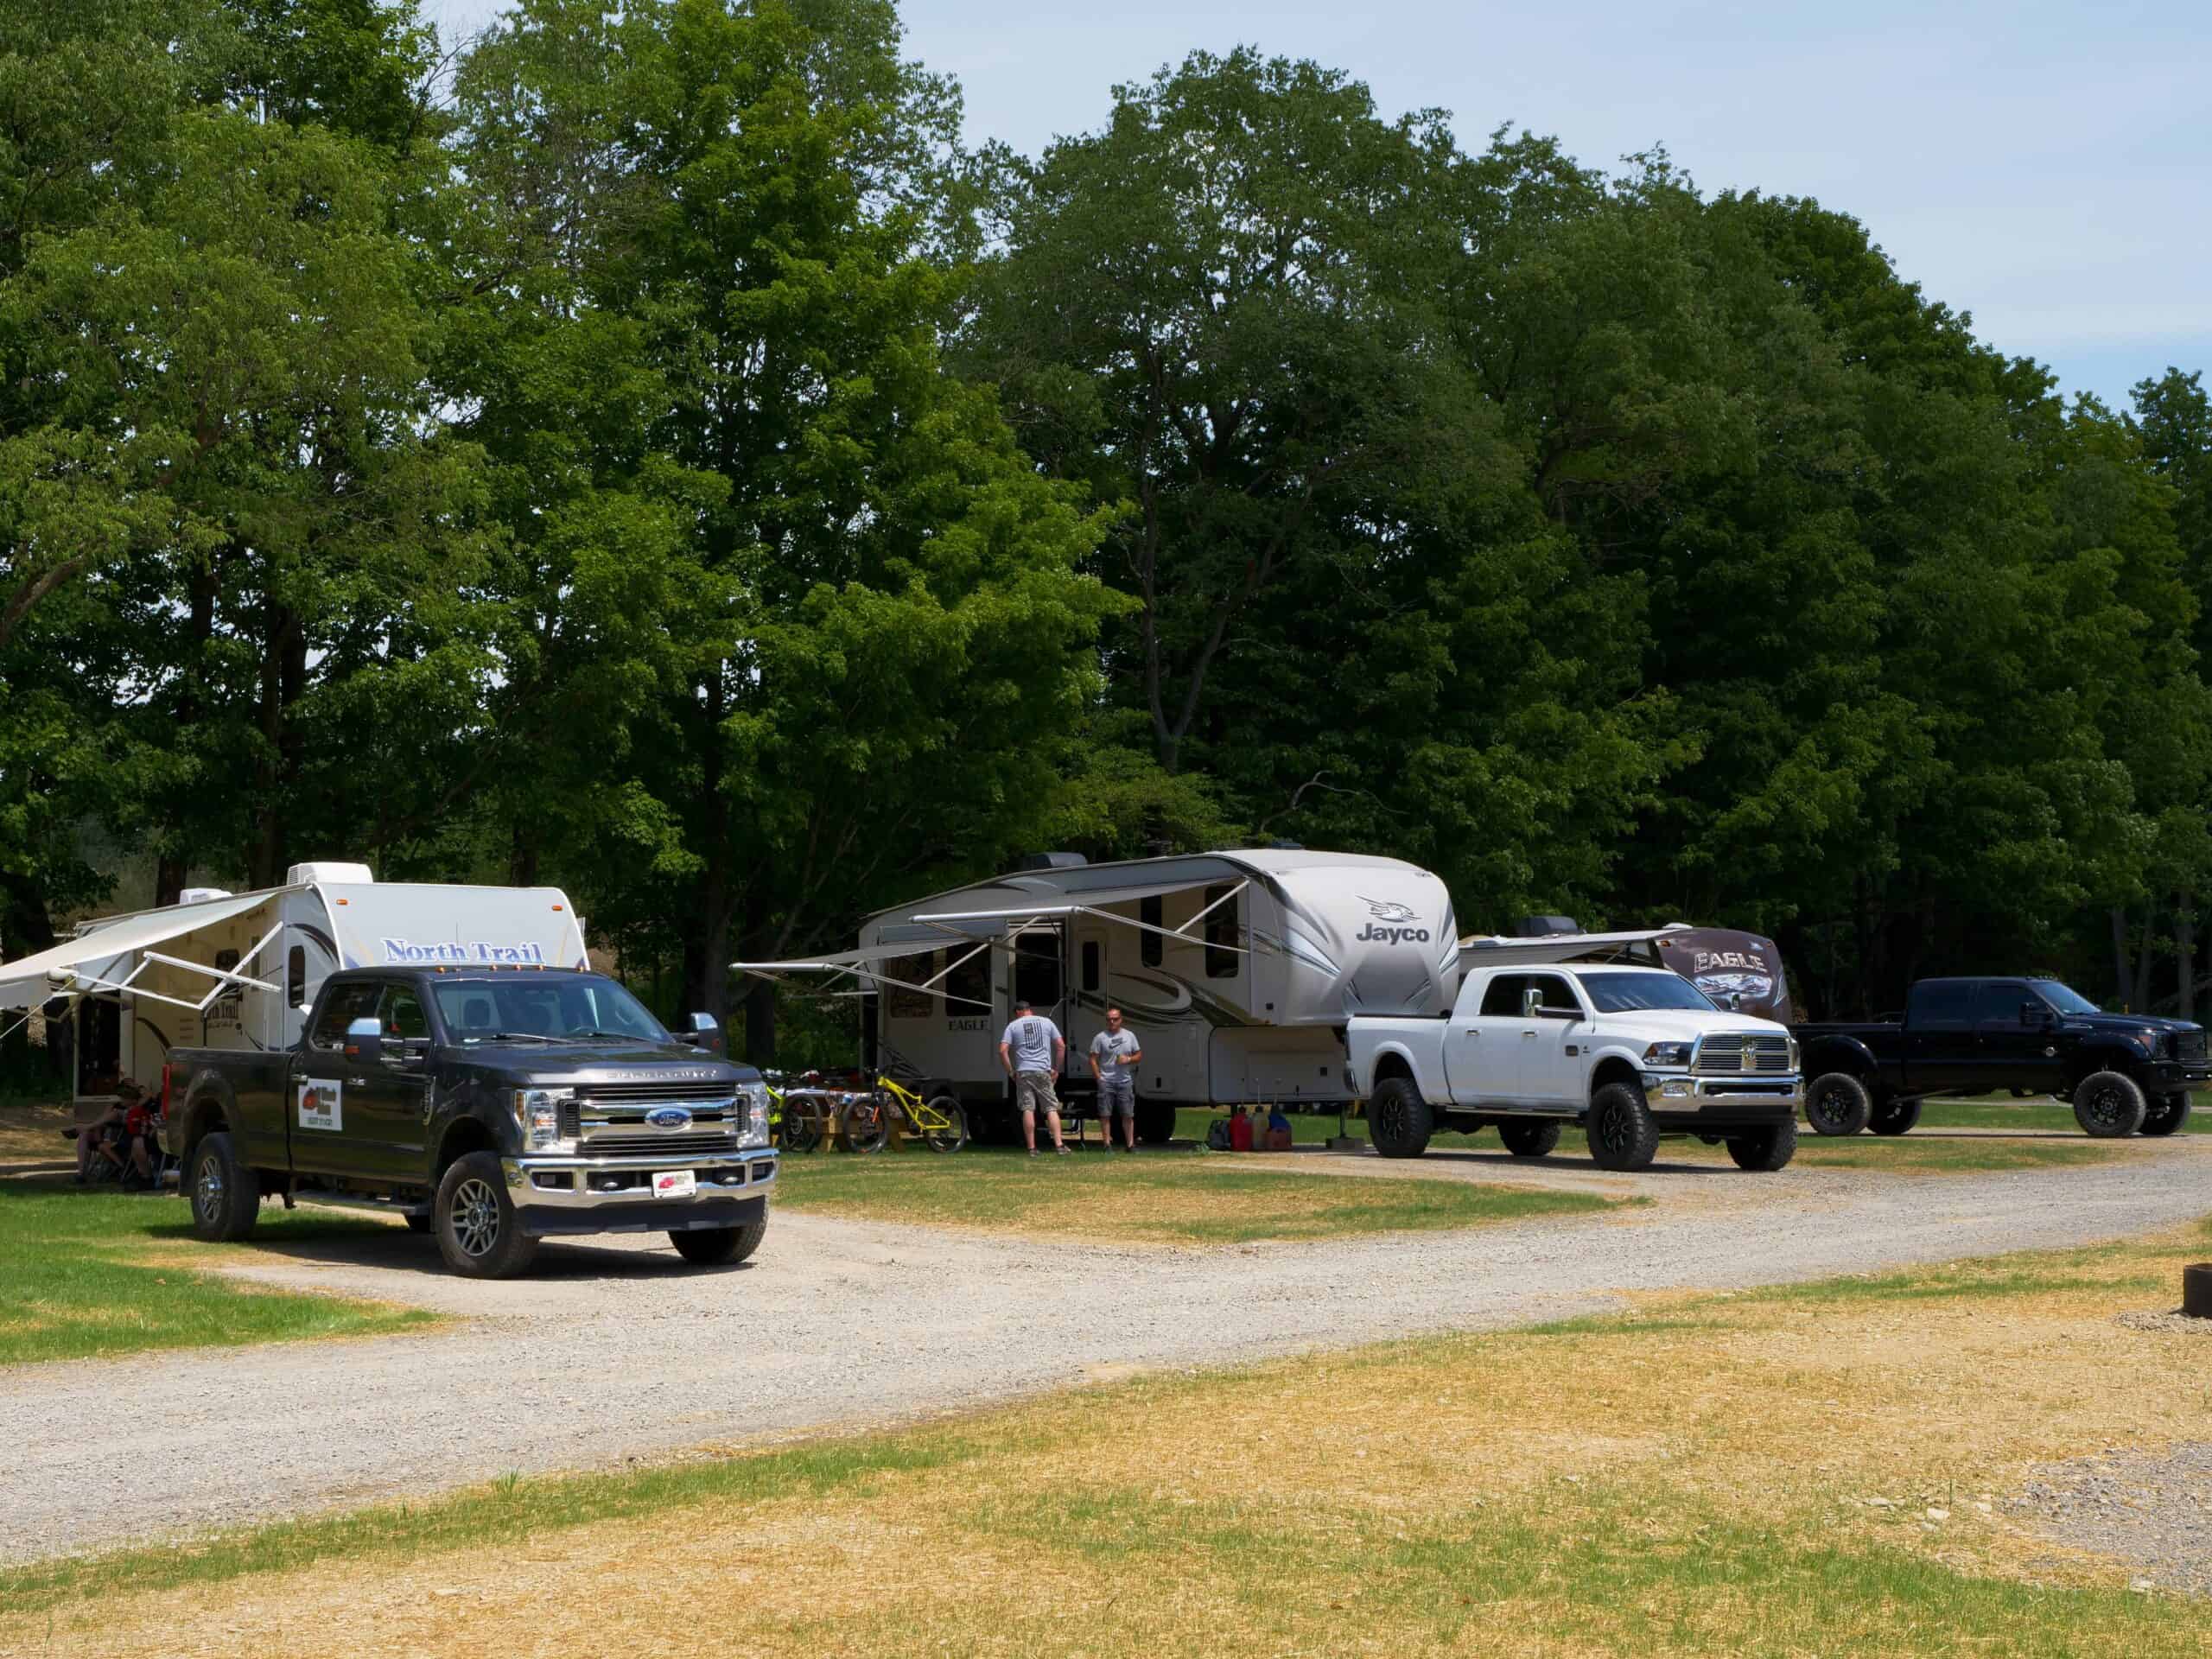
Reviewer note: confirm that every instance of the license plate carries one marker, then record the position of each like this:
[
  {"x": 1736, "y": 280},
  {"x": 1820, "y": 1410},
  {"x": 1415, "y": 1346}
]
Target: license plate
[{"x": 675, "y": 1184}]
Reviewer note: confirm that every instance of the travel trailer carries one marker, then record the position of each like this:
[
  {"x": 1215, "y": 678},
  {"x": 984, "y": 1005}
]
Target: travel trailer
[
  {"x": 1236, "y": 970},
  {"x": 240, "y": 970},
  {"x": 1738, "y": 970}
]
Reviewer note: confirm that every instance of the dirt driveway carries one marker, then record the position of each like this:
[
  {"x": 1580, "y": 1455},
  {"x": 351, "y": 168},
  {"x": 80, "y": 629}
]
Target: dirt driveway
[{"x": 616, "y": 1351}]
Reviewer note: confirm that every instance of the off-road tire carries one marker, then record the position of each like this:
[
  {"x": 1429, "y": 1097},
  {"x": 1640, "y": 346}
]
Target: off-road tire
[
  {"x": 479, "y": 1234},
  {"x": 952, "y": 1139},
  {"x": 1895, "y": 1116},
  {"x": 1534, "y": 1138},
  {"x": 2166, "y": 1115},
  {"x": 1155, "y": 1121},
  {"x": 719, "y": 1247},
  {"x": 1838, "y": 1103},
  {"x": 226, "y": 1195},
  {"x": 2108, "y": 1105},
  {"x": 1399, "y": 1122},
  {"x": 1624, "y": 1135},
  {"x": 1765, "y": 1150}
]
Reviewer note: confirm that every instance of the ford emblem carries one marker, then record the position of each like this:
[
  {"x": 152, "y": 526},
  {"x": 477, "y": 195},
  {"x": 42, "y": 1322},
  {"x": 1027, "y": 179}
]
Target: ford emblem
[{"x": 669, "y": 1118}]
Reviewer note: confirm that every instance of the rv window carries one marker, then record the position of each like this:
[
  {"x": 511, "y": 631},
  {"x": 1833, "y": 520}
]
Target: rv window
[
  {"x": 903, "y": 1002},
  {"x": 401, "y": 1013},
  {"x": 1222, "y": 931},
  {"x": 1037, "y": 968},
  {"x": 968, "y": 987},
  {"x": 1090, "y": 964},
  {"x": 340, "y": 1009},
  {"x": 1152, "y": 948},
  {"x": 295, "y": 976},
  {"x": 1502, "y": 996}
]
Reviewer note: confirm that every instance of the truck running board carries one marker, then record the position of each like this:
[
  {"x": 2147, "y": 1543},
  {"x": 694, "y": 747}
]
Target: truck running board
[{"x": 351, "y": 1201}]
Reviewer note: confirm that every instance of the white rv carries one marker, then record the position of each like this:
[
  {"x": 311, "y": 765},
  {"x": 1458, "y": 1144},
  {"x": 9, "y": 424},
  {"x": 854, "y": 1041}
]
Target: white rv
[
  {"x": 1236, "y": 969},
  {"x": 240, "y": 970}
]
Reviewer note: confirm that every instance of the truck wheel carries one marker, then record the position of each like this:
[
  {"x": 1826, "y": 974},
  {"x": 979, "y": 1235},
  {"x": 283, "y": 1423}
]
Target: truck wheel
[
  {"x": 479, "y": 1234},
  {"x": 1838, "y": 1103},
  {"x": 1399, "y": 1122},
  {"x": 226, "y": 1194},
  {"x": 719, "y": 1247},
  {"x": 1765, "y": 1150},
  {"x": 1155, "y": 1121},
  {"x": 1895, "y": 1117},
  {"x": 2166, "y": 1115},
  {"x": 2108, "y": 1105},
  {"x": 1534, "y": 1140},
  {"x": 1622, "y": 1135}
]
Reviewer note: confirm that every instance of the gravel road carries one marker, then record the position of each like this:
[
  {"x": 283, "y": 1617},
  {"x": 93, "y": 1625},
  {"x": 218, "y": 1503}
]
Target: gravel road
[{"x": 615, "y": 1352}]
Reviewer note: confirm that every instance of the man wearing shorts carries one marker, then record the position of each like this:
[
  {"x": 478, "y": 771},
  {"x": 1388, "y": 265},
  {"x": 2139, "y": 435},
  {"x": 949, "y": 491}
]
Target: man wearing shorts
[
  {"x": 1113, "y": 1057},
  {"x": 1031, "y": 1050}
]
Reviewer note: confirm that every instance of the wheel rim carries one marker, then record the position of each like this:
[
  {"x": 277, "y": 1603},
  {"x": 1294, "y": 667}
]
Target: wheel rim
[
  {"x": 207, "y": 1189},
  {"x": 2104, "y": 1106},
  {"x": 1829, "y": 1108},
  {"x": 1390, "y": 1116},
  {"x": 1612, "y": 1128},
  {"x": 475, "y": 1217}
]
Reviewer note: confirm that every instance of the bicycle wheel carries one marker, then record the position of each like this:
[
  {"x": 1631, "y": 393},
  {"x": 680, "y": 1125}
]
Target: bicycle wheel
[
  {"x": 802, "y": 1125},
  {"x": 951, "y": 1134},
  {"x": 867, "y": 1126}
]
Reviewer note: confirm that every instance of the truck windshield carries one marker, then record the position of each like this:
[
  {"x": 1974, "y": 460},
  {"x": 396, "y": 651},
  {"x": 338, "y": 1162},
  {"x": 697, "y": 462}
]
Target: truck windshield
[
  {"x": 1628, "y": 992},
  {"x": 2064, "y": 998},
  {"x": 584, "y": 1007}
]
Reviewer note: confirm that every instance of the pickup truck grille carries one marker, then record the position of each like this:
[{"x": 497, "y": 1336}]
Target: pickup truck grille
[
  {"x": 649, "y": 1093},
  {"x": 1730, "y": 1055},
  {"x": 661, "y": 1146},
  {"x": 2189, "y": 1045}
]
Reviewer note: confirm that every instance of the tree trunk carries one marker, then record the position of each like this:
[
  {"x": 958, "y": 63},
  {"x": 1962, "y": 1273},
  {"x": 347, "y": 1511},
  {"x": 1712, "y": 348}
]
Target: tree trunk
[
  {"x": 2185, "y": 956},
  {"x": 759, "y": 994},
  {"x": 2119, "y": 976},
  {"x": 2141, "y": 1001},
  {"x": 283, "y": 678}
]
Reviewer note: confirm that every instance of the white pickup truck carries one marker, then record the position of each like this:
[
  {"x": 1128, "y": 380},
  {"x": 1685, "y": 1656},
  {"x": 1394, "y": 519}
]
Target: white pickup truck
[{"x": 1630, "y": 1053}]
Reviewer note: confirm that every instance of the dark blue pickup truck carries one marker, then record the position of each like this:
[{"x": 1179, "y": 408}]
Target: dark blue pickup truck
[
  {"x": 2123, "y": 1073},
  {"x": 490, "y": 1106}
]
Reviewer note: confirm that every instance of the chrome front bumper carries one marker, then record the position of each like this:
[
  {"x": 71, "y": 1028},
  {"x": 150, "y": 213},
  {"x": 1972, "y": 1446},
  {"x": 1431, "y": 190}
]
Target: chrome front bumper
[
  {"x": 1688, "y": 1091},
  {"x": 567, "y": 1181}
]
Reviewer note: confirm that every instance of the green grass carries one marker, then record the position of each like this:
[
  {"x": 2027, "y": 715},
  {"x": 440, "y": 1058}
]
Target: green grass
[
  {"x": 1161, "y": 1197},
  {"x": 99, "y": 1273}
]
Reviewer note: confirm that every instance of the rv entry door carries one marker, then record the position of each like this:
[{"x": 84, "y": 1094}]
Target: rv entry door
[{"x": 1040, "y": 977}]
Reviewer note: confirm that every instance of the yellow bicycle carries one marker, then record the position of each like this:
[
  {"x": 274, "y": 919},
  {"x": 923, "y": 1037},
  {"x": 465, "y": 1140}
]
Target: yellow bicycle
[{"x": 866, "y": 1119}]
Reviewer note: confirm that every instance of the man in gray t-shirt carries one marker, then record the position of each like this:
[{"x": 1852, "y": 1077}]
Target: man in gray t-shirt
[
  {"x": 1113, "y": 1056},
  {"x": 1031, "y": 1050}
]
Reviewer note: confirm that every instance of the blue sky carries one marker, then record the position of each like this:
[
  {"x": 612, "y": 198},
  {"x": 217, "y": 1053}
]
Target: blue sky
[{"x": 2047, "y": 168}]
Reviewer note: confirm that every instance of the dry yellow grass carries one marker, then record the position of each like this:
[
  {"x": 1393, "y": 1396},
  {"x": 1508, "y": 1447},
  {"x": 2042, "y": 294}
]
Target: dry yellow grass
[
  {"x": 33, "y": 1135},
  {"x": 1694, "y": 1479}
]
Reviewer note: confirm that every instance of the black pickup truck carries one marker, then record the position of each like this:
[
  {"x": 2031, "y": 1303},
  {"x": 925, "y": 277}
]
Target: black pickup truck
[
  {"x": 2122, "y": 1073},
  {"x": 491, "y": 1107}
]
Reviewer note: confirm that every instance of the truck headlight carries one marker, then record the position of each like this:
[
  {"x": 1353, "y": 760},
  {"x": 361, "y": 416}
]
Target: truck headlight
[
  {"x": 1667, "y": 1054},
  {"x": 755, "y": 1132},
  {"x": 538, "y": 1113}
]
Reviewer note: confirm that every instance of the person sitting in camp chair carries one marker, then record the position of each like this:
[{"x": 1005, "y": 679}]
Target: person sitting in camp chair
[{"x": 114, "y": 1146}]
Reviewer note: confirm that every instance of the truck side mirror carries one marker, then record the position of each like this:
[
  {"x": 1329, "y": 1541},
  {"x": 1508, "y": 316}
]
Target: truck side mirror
[
  {"x": 705, "y": 1032},
  {"x": 365, "y": 1040},
  {"x": 1532, "y": 1004}
]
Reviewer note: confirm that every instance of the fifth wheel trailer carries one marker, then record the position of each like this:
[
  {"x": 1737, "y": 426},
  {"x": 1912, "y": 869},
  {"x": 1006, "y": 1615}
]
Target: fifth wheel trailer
[
  {"x": 240, "y": 970},
  {"x": 1237, "y": 970}
]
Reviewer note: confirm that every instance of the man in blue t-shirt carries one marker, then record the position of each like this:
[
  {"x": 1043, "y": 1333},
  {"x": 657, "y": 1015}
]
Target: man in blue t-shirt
[{"x": 1031, "y": 1050}]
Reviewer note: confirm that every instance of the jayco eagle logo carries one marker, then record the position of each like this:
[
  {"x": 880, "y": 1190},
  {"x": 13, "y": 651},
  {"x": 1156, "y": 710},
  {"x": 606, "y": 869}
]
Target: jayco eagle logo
[{"x": 1387, "y": 927}]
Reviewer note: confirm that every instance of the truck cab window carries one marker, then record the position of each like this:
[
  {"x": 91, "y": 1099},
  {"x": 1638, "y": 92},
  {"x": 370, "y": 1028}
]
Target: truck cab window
[
  {"x": 1942, "y": 1003},
  {"x": 1998, "y": 1003},
  {"x": 403, "y": 1016},
  {"x": 1222, "y": 931},
  {"x": 340, "y": 1009},
  {"x": 1559, "y": 1000},
  {"x": 1502, "y": 998}
]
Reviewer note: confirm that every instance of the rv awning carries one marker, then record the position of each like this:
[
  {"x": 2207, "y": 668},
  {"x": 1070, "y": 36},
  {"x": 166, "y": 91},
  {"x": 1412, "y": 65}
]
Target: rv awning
[
  {"x": 1480, "y": 952},
  {"x": 1094, "y": 904},
  {"x": 25, "y": 983},
  {"x": 863, "y": 967}
]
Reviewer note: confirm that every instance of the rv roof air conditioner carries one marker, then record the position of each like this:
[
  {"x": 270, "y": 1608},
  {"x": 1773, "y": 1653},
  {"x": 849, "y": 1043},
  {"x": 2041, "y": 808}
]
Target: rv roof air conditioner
[
  {"x": 1051, "y": 861},
  {"x": 1545, "y": 927},
  {"x": 328, "y": 874},
  {"x": 200, "y": 895}
]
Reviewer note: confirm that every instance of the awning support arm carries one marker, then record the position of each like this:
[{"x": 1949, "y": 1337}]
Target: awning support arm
[{"x": 1227, "y": 898}]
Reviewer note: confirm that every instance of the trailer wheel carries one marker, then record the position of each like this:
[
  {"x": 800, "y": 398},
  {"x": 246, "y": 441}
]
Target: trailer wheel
[
  {"x": 1765, "y": 1150},
  {"x": 1624, "y": 1135},
  {"x": 1895, "y": 1117},
  {"x": 1838, "y": 1103},
  {"x": 479, "y": 1233},
  {"x": 1534, "y": 1138},
  {"x": 2108, "y": 1105},
  {"x": 2167, "y": 1115},
  {"x": 1155, "y": 1121},
  {"x": 226, "y": 1194},
  {"x": 719, "y": 1247},
  {"x": 1399, "y": 1122}
]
